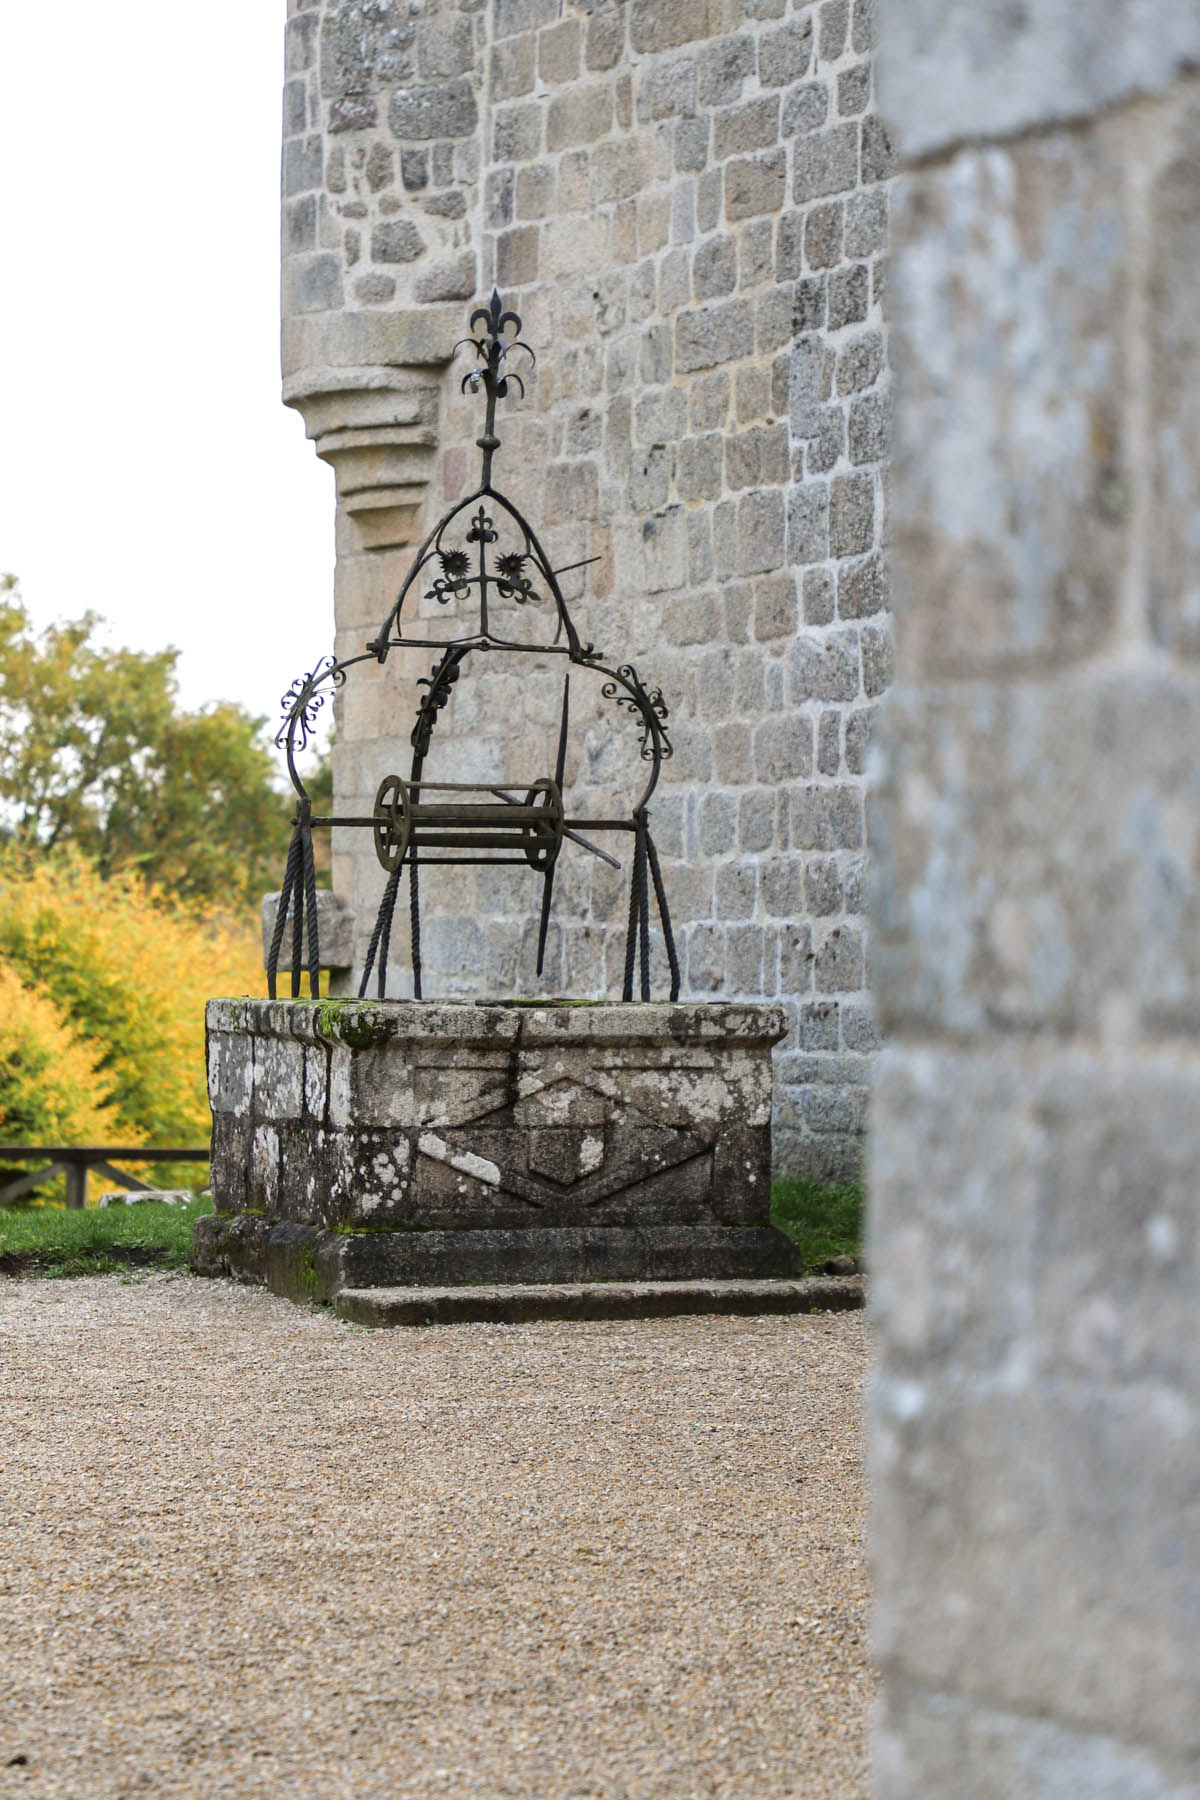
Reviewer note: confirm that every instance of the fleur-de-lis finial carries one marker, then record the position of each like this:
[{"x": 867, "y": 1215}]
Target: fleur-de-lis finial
[{"x": 493, "y": 347}]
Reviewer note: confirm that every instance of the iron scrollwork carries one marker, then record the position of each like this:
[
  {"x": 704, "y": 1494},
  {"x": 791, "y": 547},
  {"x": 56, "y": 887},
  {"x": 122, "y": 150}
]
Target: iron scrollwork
[
  {"x": 481, "y": 552},
  {"x": 649, "y": 707},
  {"x": 304, "y": 700},
  {"x": 440, "y": 685}
]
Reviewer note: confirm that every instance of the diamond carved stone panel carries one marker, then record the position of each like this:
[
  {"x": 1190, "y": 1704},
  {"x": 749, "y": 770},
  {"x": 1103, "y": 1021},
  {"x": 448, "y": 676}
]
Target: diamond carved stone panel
[
  {"x": 566, "y": 1154},
  {"x": 421, "y": 1116}
]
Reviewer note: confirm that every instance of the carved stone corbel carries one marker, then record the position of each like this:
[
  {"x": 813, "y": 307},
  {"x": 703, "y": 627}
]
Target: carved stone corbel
[{"x": 377, "y": 430}]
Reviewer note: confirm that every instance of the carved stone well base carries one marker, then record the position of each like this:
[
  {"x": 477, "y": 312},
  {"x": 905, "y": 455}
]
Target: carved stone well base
[{"x": 416, "y": 1144}]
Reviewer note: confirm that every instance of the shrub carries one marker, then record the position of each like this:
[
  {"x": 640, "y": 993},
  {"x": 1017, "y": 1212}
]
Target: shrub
[
  {"x": 52, "y": 1089},
  {"x": 131, "y": 970}
]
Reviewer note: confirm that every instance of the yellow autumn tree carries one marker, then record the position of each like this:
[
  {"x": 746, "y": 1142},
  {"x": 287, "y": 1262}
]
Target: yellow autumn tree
[
  {"x": 52, "y": 1090},
  {"x": 128, "y": 970}
]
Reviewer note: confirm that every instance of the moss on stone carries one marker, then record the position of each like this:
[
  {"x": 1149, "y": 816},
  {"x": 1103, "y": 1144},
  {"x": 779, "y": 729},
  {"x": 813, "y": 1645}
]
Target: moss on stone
[
  {"x": 347, "y": 1022},
  {"x": 389, "y": 1226}
]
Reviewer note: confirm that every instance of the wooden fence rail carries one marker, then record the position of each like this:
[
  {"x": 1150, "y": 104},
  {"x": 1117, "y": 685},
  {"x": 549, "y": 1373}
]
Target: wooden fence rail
[{"x": 75, "y": 1160}]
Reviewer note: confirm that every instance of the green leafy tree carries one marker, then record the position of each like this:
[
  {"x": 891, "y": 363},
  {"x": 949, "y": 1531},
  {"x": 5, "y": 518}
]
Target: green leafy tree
[{"x": 97, "y": 754}]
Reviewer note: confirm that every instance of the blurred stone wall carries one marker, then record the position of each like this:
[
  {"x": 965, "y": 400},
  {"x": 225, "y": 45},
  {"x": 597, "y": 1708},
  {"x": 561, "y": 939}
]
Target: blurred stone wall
[
  {"x": 1036, "y": 1127},
  {"x": 686, "y": 200}
]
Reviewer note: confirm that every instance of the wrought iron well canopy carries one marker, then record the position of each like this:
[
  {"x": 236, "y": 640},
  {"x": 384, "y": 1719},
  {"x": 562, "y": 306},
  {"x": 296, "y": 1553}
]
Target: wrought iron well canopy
[{"x": 485, "y": 557}]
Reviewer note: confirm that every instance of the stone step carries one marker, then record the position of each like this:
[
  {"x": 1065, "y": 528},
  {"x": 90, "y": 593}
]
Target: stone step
[
  {"x": 520, "y": 1304},
  {"x": 306, "y": 1263},
  {"x": 546, "y": 1255}
]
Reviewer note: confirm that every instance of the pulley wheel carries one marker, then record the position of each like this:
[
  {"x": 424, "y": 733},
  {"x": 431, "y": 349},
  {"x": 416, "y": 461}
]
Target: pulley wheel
[
  {"x": 393, "y": 822},
  {"x": 543, "y": 840}
]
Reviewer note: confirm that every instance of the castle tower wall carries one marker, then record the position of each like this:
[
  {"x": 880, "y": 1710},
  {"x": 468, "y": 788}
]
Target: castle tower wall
[{"x": 686, "y": 200}]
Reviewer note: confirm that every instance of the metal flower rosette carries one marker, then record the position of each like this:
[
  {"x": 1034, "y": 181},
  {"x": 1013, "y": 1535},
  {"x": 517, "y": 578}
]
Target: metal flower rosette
[{"x": 485, "y": 557}]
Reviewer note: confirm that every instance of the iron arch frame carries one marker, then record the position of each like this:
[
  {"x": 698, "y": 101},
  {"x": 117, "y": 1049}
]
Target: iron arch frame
[{"x": 411, "y": 828}]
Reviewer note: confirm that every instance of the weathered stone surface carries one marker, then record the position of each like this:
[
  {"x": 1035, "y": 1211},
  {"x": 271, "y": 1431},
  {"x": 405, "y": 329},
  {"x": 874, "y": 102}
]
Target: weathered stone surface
[
  {"x": 1174, "y": 544},
  {"x": 826, "y": 162},
  {"x": 307, "y": 1263},
  {"x": 515, "y": 1305},
  {"x": 1011, "y": 499},
  {"x": 446, "y": 1122},
  {"x": 560, "y": 1254},
  {"x": 994, "y": 800},
  {"x": 952, "y": 1229},
  {"x": 664, "y": 24},
  {"x": 929, "y": 1742},
  {"x": 1059, "y": 1240},
  {"x": 953, "y": 74},
  {"x": 1035, "y": 1237},
  {"x": 303, "y": 159},
  {"x": 1000, "y": 1506},
  {"x": 397, "y": 241},
  {"x": 335, "y": 931},
  {"x": 364, "y": 46},
  {"x": 444, "y": 110},
  {"x": 314, "y": 284}
]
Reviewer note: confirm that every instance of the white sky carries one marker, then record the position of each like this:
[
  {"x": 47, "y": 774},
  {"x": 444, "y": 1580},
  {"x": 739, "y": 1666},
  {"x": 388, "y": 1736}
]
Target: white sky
[{"x": 147, "y": 467}]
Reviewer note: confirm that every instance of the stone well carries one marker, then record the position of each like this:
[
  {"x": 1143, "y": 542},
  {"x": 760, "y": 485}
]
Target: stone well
[{"x": 418, "y": 1143}]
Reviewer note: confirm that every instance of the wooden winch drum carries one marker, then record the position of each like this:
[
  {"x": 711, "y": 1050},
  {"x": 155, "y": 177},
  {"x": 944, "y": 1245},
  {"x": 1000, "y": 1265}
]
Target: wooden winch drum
[{"x": 444, "y": 831}]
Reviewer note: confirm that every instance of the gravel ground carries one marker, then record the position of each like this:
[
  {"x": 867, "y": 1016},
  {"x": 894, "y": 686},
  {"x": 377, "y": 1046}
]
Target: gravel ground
[{"x": 246, "y": 1550}]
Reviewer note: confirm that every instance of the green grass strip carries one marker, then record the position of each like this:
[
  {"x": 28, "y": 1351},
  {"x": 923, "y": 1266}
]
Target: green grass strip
[
  {"x": 823, "y": 1221},
  {"x": 51, "y": 1241}
]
